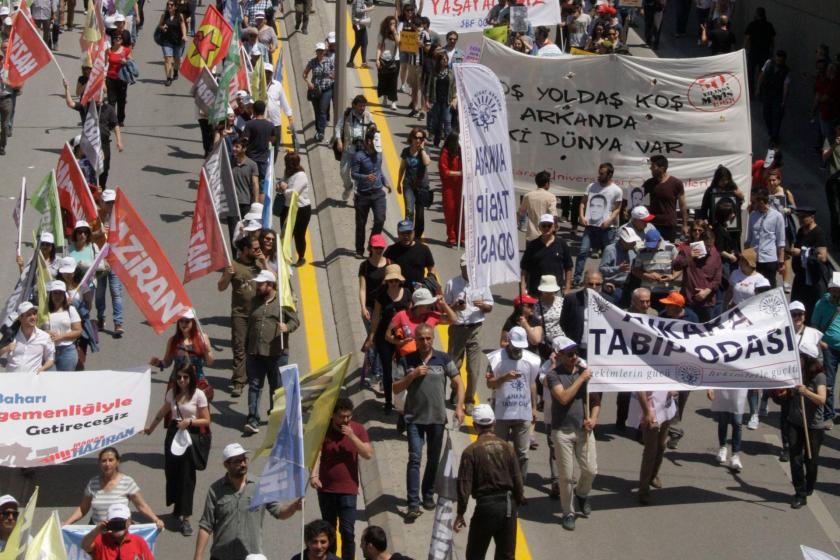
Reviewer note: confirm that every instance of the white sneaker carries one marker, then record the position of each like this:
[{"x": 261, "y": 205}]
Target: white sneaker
[
  {"x": 753, "y": 423},
  {"x": 721, "y": 456},
  {"x": 735, "y": 463},
  {"x": 394, "y": 105},
  {"x": 404, "y": 88}
]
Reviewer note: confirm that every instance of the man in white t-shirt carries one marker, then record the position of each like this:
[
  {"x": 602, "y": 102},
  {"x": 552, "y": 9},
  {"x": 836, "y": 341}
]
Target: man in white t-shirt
[
  {"x": 598, "y": 213},
  {"x": 32, "y": 349},
  {"x": 512, "y": 375},
  {"x": 577, "y": 27},
  {"x": 277, "y": 102}
]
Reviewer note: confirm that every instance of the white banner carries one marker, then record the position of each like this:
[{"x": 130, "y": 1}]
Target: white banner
[
  {"x": 751, "y": 346},
  {"x": 568, "y": 115},
  {"x": 466, "y": 16},
  {"x": 489, "y": 205},
  {"x": 54, "y": 417}
]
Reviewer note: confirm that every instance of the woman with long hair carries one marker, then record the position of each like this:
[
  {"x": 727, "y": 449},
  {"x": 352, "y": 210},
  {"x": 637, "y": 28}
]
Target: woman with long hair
[
  {"x": 812, "y": 394},
  {"x": 190, "y": 411},
  {"x": 440, "y": 97},
  {"x": 187, "y": 345},
  {"x": 413, "y": 177},
  {"x": 295, "y": 181},
  {"x": 116, "y": 57},
  {"x": 361, "y": 22},
  {"x": 64, "y": 326},
  {"x": 174, "y": 31},
  {"x": 46, "y": 244},
  {"x": 268, "y": 247},
  {"x": 452, "y": 179},
  {"x": 388, "y": 62},
  {"x": 372, "y": 272}
]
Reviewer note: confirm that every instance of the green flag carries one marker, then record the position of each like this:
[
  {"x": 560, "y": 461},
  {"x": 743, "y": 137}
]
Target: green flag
[
  {"x": 498, "y": 33},
  {"x": 219, "y": 107},
  {"x": 45, "y": 200},
  {"x": 259, "y": 87}
]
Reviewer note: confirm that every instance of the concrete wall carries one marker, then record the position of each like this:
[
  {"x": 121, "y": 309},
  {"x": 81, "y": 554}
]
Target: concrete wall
[{"x": 800, "y": 26}]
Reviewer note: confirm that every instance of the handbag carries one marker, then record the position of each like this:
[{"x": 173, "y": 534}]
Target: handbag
[
  {"x": 158, "y": 37},
  {"x": 313, "y": 94},
  {"x": 425, "y": 197},
  {"x": 199, "y": 451}
]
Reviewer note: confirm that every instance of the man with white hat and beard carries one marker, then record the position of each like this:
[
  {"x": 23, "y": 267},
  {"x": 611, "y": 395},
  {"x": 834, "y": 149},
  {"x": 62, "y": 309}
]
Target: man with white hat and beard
[
  {"x": 489, "y": 472},
  {"x": 237, "y": 530},
  {"x": 32, "y": 349}
]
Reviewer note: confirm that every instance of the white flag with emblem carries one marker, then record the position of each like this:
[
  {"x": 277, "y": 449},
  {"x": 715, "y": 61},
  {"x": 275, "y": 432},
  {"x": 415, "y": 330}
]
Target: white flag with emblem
[{"x": 92, "y": 140}]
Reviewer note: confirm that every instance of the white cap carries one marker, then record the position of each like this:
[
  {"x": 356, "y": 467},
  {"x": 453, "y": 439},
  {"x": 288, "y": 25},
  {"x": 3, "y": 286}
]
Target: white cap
[
  {"x": 269, "y": 67},
  {"x": 230, "y": 111},
  {"x": 181, "y": 441},
  {"x": 188, "y": 314},
  {"x": 797, "y": 306},
  {"x": 546, "y": 219},
  {"x": 68, "y": 266},
  {"x": 24, "y": 307},
  {"x": 81, "y": 224},
  {"x": 252, "y": 225},
  {"x": 241, "y": 94},
  {"x": 518, "y": 337},
  {"x": 809, "y": 349},
  {"x": 377, "y": 142},
  {"x": 46, "y": 237},
  {"x": 563, "y": 343},
  {"x": 641, "y": 213},
  {"x": 761, "y": 283},
  {"x": 252, "y": 215},
  {"x": 464, "y": 259},
  {"x": 548, "y": 283},
  {"x": 109, "y": 22},
  {"x": 331, "y": 37},
  {"x": 232, "y": 450},
  {"x": 118, "y": 511},
  {"x": 256, "y": 557},
  {"x": 483, "y": 415},
  {"x": 265, "y": 276},
  {"x": 4, "y": 11},
  {"x": 56, "y": 286},
  {"x": 320, "y": 47},
  {"x": 259, "y": 14},
  {"x": 8, "y": 499},
  {"x": 7, "y": 21},
  {"x": 109, "y": 195},
  {"x": 118, "y": 17},
  {"x": 422, "y": 296},
  {"x": 835, "y": 280},
  {"x": 256, "y": 208},
  {"x": 256, "y": 51}
]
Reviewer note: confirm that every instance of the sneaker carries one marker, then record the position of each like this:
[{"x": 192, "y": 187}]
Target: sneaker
[
  {"x": 798, "y": 502},
  {"x": 735, "y": 463},
  {"x": 721, "y": 456},
  {"x": 429, "y": 503},
  {"x": 186, "y": 528},
  {"x": 753, "y": 423},
  {"x": 394, "y": 105},
  {"x": 404, "y": 88},
  {"x": 569, "y": 522},
  {"x": 673, "y": 443},
  {"x": 237, "y": 390},
  {"x": 583, "y": 505},
  {"x": 413, "y": 513},
  {"x": 787, "y": 287},
  {"x": 251, "y": 428}
]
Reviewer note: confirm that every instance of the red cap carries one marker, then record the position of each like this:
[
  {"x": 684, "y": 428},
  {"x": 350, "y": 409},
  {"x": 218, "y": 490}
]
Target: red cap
[
  {"x": 524, "y": 298},
  {"x": 674, "y": 298},
  {"x": 377, "y": 240}
]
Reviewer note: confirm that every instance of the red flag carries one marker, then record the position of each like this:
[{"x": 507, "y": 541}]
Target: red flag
[
  {"x": 24, "y": 8},
  {"x": 143, "y": 268},
  {"x": 96, "y": 80},
  {"x": 73, "y": 190},
  {"x": 207, "y": 251},
  {"x": 209, "y": 46},
  {"x": 27, "y": 53}
]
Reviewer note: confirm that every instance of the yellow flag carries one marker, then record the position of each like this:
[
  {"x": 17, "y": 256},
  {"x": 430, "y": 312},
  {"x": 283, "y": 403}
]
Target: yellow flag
[
  {"x": 318, "y": 392},
  {"x": 289, "y": 227},
  {"x": 259, "y": 87},
  {"x": 48, "y": 544},
  {"x": 20, "y": 534},
  {"x": 90, "y": 33},
  {"x": 498, "y": 33},
  {"x": 42, "y": 277},
  {"x": 284, "y": 258}
]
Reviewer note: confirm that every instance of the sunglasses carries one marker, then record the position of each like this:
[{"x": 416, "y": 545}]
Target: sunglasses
[
  {"x": 10, "y": 513},
  {"x": 569, "y": 353},
  {"x": 419, "y": 137}
]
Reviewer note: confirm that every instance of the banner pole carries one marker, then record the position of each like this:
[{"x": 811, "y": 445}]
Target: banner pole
[
  {"x": 302, "y": 528},
  {"x": 460, "y": 217},
  {"x": 20, "y": 214},
  {"x": 805, "y": 426}
]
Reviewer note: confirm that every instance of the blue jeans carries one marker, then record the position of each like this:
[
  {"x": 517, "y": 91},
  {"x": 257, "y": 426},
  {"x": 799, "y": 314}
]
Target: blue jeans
[
  {"x": 112, "y": 280},
  {"x": 320, "y": 107},
  {"x": 343, "y": 508},
  {"x": 724, "y": 420},
  {"x": 831, "y": 358},
  {"x": 66, "y": 358},
  {"x": 433, "y": 434},
  {"x": 440, "y": 120},
  {"x": 258, "y": 368},
  {"x": 592, "y": 236},
  {"x": 414, "y": 211}
]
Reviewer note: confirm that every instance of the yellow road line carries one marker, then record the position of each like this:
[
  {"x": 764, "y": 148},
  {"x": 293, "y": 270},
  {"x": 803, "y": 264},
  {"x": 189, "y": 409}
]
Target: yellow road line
[{"x": 393, "y": 160}]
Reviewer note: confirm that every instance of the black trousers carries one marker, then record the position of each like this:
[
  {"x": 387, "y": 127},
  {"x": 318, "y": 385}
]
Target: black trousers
[
  {"x": 206, "y": 135},
  {"x": 304, "y": 214},
  {"x": 622, "y": 408},
  {"x": 106, "y": 163},
  {"x": 491, "y": 521},
  {"x": 364, "y": 203},
  {"x": 769, "y": 270},
  {"x": 180, "y": 476},
  {"x": 803, "y": 471},
  {"x": 117, "y": 96}
]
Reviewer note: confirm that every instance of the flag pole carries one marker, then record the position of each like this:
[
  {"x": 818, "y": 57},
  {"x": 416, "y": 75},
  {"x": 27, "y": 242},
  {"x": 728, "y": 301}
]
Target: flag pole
[
  {"x": 805, "y": 426},
  {"x": 460, "y": 219},
  {"x": 20, "y": 214},
  {"x": 303, "y": 528}
]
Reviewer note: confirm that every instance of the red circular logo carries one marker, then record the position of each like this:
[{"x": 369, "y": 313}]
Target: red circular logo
[{"x": 715, "y": 92}]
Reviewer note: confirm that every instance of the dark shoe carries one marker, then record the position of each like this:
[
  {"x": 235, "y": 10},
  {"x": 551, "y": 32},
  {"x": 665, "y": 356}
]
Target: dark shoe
[
  {"x": 174, "y": 74},
  {"x": 620, "y": 427},
  {"x": 429, "y": 503},
  {"x": 569, "y": 522},
  {"x": 400, "y": 424},
  {"x": 119, "y": 331},
  {"x": 186, "y": 528},
  {"x": 644, "y": 498},
  {"x": 2, "y": 151},
  {"x": 809, "y": 492},
  {"x": 304, "y": 31},
  {"x": 583, "y": 505},
  {"x": 412, "y": 113},
  {"x": 351, "y": 65},
  {"x": 798, "y": 502},
  {"x": 388, "y": 408},
  {"x": 554, "y": 493},
  {"x": 168, "y": 82},
  {"x": 656, "y": 482},
  {"x": 100, "y": 324},
  {"x": 673, "y": 443},
  {"x": 252, "y": 428},
  {"x": 301, "y": 261},
  {"x": 413, "y": 514},
  {"x": 237, "y": 390},
  {"x": 784, "y": 455}
]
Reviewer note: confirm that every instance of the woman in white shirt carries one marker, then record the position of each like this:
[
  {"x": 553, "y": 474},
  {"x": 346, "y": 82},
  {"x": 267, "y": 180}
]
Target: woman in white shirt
[
  {"x": 296, "y": 181},
  {"x": 745, "y": 279},
  {"x": 728, "y": 408},
  {"x": 64, "y": 327},
  {"x": 190, "y": 411}
]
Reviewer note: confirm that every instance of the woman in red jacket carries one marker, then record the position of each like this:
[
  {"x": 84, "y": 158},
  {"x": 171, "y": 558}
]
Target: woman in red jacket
[{"x": 451, "y": 176}]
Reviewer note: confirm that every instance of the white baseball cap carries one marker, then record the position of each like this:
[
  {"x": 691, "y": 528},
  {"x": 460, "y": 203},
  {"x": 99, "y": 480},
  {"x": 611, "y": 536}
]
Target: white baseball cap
[
  {"x": 8, "y": 499},
  {"x": 331, "y": 37},
  {"x": 109, "y": 195},
  {"x": 320, "y": 47},
  {"x": 809, "y": 349},
  {"x": 7, "y": 21},
  {"x": 4, "y": 11},
  {"x": 241, "y": 94},
  {"x": 269, "y": 67},
  {"x": 518, "y": 337},
  {"x": 232, "y": 450},
  {"x": 797, "y": 306},
  {"x": 76, "y": 140},
  {"x": 118, "y": 511},
  {"x": 641, "y": 213},
  {"x": 81, "y": 224},
  {"x": 68, "y": 266},
  {"x": 483, "y": 415},
  {"x": 181, "y": 441},
  {"x": 57, "y": 286},
  {"x": 24, "y": 307},
  {"x": 265, "y": 276},
  {"x": 46, "y": 237},
  {"x": 256, "y": 557},
  {"x": 563, "y": 343},
  {"x": 188, "y": 314},
  {"x": 118, "y": 17},
  {"x": 546, "y": 219}
]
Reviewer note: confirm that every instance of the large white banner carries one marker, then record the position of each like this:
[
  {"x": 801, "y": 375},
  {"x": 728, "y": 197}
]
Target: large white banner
[
  {"x": 465, "y": 16},
  {"x": 751, "y": 346},
  {"x": 57, "y": 416},
  {"x": 568, "y": 115},
  {"x": 489, "y": 205}
]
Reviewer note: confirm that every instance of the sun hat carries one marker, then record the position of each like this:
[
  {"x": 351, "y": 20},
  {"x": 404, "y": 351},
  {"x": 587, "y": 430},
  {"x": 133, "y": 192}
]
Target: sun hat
[
  {"x": 422, "y": 296},
  {"x": 232, "y": 450},
  {"x": 548, "y": 283},
  {"x": 750, "y": 256},
  {"x": 393, "y": 272}
]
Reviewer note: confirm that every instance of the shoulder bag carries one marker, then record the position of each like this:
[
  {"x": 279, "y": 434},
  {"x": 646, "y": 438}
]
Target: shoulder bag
[{"x": 202, "y": 440}]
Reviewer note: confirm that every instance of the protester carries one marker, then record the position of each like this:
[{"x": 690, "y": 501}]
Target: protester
[
  {"x": 109, "y": 488},
  {"x": 831, "y": 158},
  {"x": 336, "y": 475},
  {"x": 371, "y": 275},
  {"x": 361, "y": 21},
  {"x": 827, "y": 320},
  {"x": 548, "y": 312},
  {"x": 188, "y": 345},
  {"x": 702, "y": 271},
  {"x": 366, "y": 171},
  {"x": 598, "y": 213},
  {"x": 728, "y": 408},
  {"x": 374, "y": 545},
  {"x": 806, "y": 419},
  {"x": 350, "y": 133},
  {"x": 489, "y": 472},
  {"x": 107, "y": 279},
  {"x": 117, "y": 57},
  {"x": 32, "y": 349},
  {"x": 424, "y": 374},
  {"x": 451, "y": 178},
  {"x": 809, "y": 255},
  {"x": 318, "y": 538},
  {"x": 423, "y": 310},
  {"x": 547, "y": 254},
  {"x": 236, "y": 531},
  {"x": 320, "y": 87},
  {"x": 173, "y": 31},
  {"x": 721, "y": 39},
  {"x": 523, "y": 316},
  {"x": 615, "y": 264},
  {"x": 653, "y": 267},
  {"x": 654, "y": 411},
  {"x": 64, "y": 327},
  {"x": 388, "y": 62},
  {"x": 470, "y": 306},
  {"x": 745, "y": 280},
  {"x": 440, "y": 97},
  {"x": 260, "y": 133},
  {"x": 574, "y": 309},
  {"x": 414, "y": 257},
  {"x": 413, "y": 179},
  {"x": 296, "y": 181},
  {"x": 759, "y": 38},
  {"x": 7, "y": 95},
  {"x": 8, "y": 518},
  {"x": 536, "y": 204},
  {"x": 666, "y": 193},
  {"x": 111, "y": 538},
  {"x": 766, "y": 233},
  {"x": 772, "y": 90}
]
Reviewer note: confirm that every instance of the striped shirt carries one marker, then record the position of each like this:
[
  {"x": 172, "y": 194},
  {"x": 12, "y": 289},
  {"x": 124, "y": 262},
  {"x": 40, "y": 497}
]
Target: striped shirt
[{"x": 101, "y": 499}]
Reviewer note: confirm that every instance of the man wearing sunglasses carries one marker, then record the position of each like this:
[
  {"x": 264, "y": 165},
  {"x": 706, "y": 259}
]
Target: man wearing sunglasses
[
  {"x": 8, "y": 518},
  {"x": 111, "y": 538}
]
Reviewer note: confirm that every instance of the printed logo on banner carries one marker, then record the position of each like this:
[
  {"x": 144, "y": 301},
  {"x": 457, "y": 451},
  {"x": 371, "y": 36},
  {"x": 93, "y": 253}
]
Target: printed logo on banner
[
  {"x": 772, "y": 304},
  {"x": 715, "y": 92},
  {"x": 484, "y": 109},
  {"x": 598, "y": 305},
  {"x": 690, "y": 375}
]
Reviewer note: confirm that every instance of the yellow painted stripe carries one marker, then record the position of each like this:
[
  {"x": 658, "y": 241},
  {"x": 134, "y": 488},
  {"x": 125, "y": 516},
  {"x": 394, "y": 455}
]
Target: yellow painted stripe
[{"x": 393, "y": 160}]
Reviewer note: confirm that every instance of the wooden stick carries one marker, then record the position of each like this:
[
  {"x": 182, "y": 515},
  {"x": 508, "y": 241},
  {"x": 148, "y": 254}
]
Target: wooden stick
[
  {"x": 586, "y": 416},
  {"x": 805, "y": 426}
]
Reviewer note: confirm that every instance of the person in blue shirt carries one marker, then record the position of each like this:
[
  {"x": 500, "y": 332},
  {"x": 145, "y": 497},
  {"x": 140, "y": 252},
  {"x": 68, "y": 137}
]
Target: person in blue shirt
[{"x": 366, "y": 171}]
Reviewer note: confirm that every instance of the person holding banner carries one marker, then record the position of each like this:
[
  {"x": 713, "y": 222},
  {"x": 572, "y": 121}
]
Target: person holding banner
[
  {"x": 295, "y": 181},
  {"x": 46, "y": 244},
  {"x": 32, "y": 349},
  {"x": 548, "y": 254},
  {"x": 807, "y": 424},
  {"x": 112, "y": 535},
  {"x": 728, "y": 407},
  {"x": 826, "y": 318},
  {"x": 654, "y": 411},
  {"x": 666, "y": 193},
  {"x": 598, "y": 213},
  {"x": 64, "y": 326}
]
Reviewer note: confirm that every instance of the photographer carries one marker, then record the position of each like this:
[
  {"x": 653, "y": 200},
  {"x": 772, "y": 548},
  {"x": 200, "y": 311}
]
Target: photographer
[
  {"x": 350, "y": 131},
  {"x": 111, "y": 539}
]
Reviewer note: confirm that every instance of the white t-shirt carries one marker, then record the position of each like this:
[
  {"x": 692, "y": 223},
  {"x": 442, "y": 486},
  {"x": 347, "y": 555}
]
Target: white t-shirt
[
  {"x": 743, "y": 286},
  {"x": 809, "y": 335},
  {"x": 730, "y": 400},
  {"x": 188, "y": 409},
  {"x": 30, "y": 354},
  {"x": 600, "y": 202},
  {"x": 298, "y": 183},
  {"x": 61, "y": 322},
  {"x": 513, "y": 397}
]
